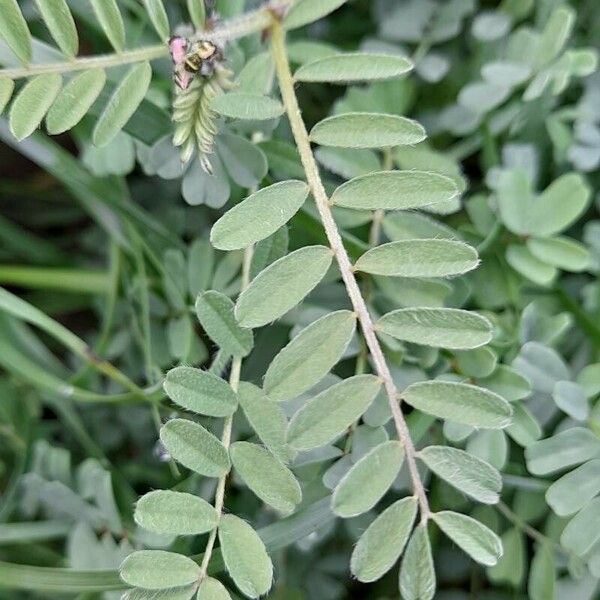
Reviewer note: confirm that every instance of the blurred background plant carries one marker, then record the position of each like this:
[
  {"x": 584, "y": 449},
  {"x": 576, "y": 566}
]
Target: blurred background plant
[{"x": 107, "y": 235}]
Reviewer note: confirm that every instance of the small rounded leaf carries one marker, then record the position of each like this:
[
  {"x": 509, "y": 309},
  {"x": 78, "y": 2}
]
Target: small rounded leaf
[
  {"x": 252, "y": 107},
  {"x": 573, "y": 491},
  {"x": 417, "y": 574},
  {"x": 479, "y": 542},
  {"x": 108, "y": 15},
  {"x": 282, "y": 285},
  {"x": 368, "y": 480},
  {"x": 215, "y": 313},
  {"x": 174, "y": 513},
  {"x": 395, "y": 190},
  {"x": 74, "y": 101},
  {"x": 367, "y": 130},
  {"x": 460, "y": 402},
  {"x": 259, "y": 215},
  {"x": 195, "y": 448},
  {"x": 32, "y": 103},
  {"x": 158, "y": 570},
  {"x": 200, "y": 391},
  {"x": 310, "y": 355},
  {"x": 342, "y": 68},
  {"x": 267, "y": 477},
  {"x": 307, "y": 11},
  {"x": 380, "y": 546},
  {"x": 267, "y": 419},
  {"x": 14, "y": 30},
  {"x": 60, "y": 23},
  {"x": 245, "y": 556},
  {"x": 437, "y": 327},
  {"x": 212, "y": 589},
  {"x": 197, "y": 10},
  {"x": 158, "y": 16},
  {"x": 419, "y": 258},
  {"x": 6, "y": 89},
  {"x": 329, "y": 414},
  {"x": 465, "y": 472},
  {"x": 123, "y": 103}
]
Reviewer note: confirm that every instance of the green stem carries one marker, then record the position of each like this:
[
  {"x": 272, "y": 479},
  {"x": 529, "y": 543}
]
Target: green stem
[
  {"x": 234, "y": 382},
  {"x": 65, "y": 280},
  {"x": 287, "y": 88}
]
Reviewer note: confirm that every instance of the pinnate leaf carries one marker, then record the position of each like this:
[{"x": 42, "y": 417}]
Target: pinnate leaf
[
  {"x": 200, "y": 391},
  {"x": 395, "y": 190},
  {"x": 215, "y": 312},
  {"x": 310, "y": 355},
  {"x": 282, "y": 285},
  {"x": 110, "y": 19},
  {"x": 479, "y": 542},
  {"x": 175, "y": 513},
  {"x": 245, "y": 556},
  {"x": 74, "y": 101},
  {"x": 465, "y": 472},
  {"x": 259, "y": 215},
  {"x": 342, "y": 68},
  {"x": 266, "y": 476},
  {"x": 60, "y": 23},
  {"x": 14, "y": 30},
  {"x": 253, "y": 107},
  {"x": 380, "y": 546},
  {"x": 438, "y": 327},
  {"x": 123, "y": 103},
  {"x": 460, "y": 402},
  {"x": 195, "y": 448},
  {"x": 417, "y": 575},
  {"x": 158, "y": 570},
  {"x": 32, "y": 103},
  {"x": 368, "y": 480},
  {"x": 367, "y": 130},
  {"x": 419, "y": 258},
  {"x": 327, "y": 415}
]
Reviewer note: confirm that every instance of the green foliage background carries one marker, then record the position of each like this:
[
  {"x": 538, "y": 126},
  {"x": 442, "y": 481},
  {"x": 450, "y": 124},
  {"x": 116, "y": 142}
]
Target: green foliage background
[{"x": 124, "y": 368}]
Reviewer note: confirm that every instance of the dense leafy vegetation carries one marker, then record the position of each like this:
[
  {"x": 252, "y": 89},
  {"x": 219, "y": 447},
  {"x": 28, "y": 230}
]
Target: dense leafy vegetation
[{"x": 303, "y": 300}]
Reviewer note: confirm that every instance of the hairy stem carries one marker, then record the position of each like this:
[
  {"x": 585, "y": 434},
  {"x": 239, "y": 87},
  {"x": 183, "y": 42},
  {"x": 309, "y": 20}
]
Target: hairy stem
[
  {"x": 286, "y": 84},
  {"x": 234, "y": 382},
  {"x": 231, "y": 29}
]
